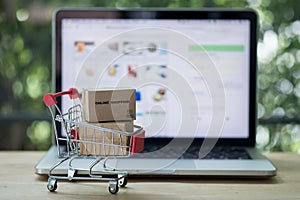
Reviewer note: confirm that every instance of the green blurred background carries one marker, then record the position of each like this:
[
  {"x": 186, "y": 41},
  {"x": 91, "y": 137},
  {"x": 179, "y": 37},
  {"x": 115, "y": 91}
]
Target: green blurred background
[{"x": 25, "y": 67}]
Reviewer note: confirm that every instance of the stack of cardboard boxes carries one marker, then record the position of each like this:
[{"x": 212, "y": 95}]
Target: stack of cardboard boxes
[{"x": 112, "y": 109}]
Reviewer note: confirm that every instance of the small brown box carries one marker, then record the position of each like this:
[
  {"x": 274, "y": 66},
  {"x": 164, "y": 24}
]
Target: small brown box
[
  {"x": 98, "y": 142},
  {"x": 103, "y": 105}
]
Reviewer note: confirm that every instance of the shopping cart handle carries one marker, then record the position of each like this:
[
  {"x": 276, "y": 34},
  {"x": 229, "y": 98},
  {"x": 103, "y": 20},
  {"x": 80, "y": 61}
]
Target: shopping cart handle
[{"x": 50, "y": 99}]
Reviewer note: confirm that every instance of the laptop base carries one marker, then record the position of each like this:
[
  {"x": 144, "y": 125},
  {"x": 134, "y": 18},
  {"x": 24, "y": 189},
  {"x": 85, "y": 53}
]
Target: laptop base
[{"x": 256, "y": 167}]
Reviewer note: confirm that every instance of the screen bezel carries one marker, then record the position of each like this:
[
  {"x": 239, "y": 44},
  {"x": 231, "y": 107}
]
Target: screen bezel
[{"x": 99, "y": 13}]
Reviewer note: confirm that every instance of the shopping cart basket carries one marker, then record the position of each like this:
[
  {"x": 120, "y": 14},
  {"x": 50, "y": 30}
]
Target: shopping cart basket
[{"x": 85, "y": 140}]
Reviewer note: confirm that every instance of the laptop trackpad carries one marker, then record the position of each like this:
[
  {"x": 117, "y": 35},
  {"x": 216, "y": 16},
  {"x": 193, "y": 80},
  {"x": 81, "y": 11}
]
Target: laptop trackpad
[{"x": 158, "y": 166}]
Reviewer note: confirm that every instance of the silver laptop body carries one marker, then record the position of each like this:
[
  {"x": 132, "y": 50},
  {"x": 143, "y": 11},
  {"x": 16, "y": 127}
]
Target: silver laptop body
[{"x": 195, "y": 74}]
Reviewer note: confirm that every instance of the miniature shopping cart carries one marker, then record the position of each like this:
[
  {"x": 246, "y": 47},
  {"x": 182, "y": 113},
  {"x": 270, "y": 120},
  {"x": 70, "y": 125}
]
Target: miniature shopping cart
[{"x": 92, "y": 143}]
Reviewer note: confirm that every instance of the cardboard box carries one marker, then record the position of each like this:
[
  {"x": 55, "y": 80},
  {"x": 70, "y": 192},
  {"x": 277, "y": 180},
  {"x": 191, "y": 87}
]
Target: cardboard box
[
  {"x": 103, "y": 105},
  {"x": 98, "y": 142}
]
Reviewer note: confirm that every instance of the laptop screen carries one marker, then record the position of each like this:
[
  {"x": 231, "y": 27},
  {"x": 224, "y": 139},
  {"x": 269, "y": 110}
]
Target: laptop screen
[{"x": 157, "y": 72}]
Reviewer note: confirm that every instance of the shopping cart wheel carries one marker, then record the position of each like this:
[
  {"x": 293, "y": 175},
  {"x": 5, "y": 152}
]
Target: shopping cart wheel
[
  {"x": 123, "y": 182},
  {"x": 52, "y": 184},
  {"x": 113, "y": 187}
]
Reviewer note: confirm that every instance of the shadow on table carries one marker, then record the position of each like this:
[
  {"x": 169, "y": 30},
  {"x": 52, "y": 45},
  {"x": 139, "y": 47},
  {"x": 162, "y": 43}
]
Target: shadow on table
[{"x": 193, "y": 179}]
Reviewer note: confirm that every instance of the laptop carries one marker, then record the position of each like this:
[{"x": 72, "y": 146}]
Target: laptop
[{"x": 194, "y": 72}]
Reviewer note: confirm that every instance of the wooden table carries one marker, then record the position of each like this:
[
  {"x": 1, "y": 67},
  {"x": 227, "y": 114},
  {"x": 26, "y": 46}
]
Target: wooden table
[{"x": 18, "y": 181}]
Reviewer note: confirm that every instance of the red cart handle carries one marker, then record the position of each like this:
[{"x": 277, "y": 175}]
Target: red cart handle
[{"x": 50, "y": 99}]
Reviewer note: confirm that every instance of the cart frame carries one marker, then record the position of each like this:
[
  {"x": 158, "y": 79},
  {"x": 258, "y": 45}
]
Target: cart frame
[{"x": 70, "y": 123}]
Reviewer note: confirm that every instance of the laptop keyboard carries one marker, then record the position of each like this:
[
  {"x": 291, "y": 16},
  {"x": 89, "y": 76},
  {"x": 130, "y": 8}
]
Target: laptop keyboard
[
  {"x": 194, "y": 153},
  {"x": 218, "y": 153}
]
